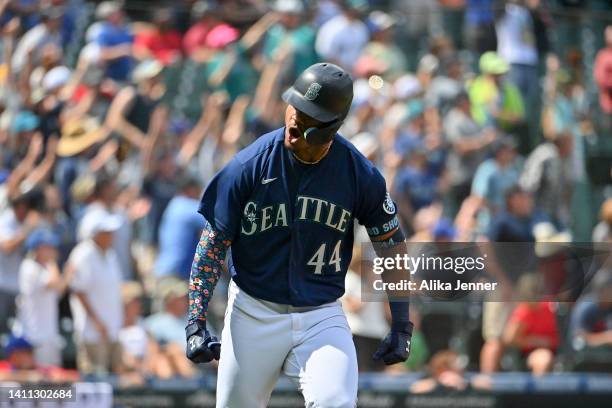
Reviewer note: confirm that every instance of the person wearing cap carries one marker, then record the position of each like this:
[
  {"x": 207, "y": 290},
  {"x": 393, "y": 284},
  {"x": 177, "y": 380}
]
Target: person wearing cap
[
  {"x": 206, "y": 18},
  {"x": 41, "y": 285},
  {"x": 342, "y": 39},
  {"x": 284, "y": 208},
  {"x": 382, "y": 48},
  {"x": 229, "y": 67},
  {"x": 495, "y": 100},
  {"x": 96, "y": 295},
  {"x": 115, "y": 40},
  {"x": 162, "y": 41},
  {"x": 493, "y": 178},
  {"x": 102, "y": 197},
  {"x": 21, "y": 365},
  {"x": 415, "y": 185},
  {"x": 167, "y": 328},
  {"x": 33, "y": 41}
]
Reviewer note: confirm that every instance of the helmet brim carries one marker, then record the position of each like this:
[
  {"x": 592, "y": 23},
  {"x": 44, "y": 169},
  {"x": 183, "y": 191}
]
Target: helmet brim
[{"x": 297, "y": 100}]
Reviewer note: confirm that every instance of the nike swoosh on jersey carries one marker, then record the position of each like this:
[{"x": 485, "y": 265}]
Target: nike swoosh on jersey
[{"x": 266, "y": 181}]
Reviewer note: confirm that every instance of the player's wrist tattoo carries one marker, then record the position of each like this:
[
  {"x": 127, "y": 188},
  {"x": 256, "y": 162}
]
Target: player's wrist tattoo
[{"x": 206, "y": 270}]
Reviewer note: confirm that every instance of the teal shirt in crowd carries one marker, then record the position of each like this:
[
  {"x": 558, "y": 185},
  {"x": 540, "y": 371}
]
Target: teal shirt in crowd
[
  {"x": 302, "y": 41},
  {"x": 242, "y": 78}
]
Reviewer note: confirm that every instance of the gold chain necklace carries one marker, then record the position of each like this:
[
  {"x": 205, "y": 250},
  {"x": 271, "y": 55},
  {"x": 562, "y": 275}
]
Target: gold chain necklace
[{"x": 312, "y": 162}]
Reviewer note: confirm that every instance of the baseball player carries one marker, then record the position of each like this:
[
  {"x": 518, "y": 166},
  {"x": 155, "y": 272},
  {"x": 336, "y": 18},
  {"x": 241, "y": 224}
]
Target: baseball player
[{"x": 282, "y": 211}]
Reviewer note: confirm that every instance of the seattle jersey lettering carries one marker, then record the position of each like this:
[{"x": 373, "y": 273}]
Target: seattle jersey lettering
[{"x": 313, "y": 209}]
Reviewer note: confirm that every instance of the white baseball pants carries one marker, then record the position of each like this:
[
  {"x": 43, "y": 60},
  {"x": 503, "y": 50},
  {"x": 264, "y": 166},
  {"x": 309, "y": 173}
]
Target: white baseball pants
[{"x": 260, "y": 339}]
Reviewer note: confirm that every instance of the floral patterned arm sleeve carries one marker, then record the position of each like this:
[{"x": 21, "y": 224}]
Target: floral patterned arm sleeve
[{"x": 205, "y": 271}]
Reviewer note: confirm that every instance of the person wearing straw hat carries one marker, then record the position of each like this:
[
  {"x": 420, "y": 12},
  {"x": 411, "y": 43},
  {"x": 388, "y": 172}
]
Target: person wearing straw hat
[{"x": 79, "y": 135}]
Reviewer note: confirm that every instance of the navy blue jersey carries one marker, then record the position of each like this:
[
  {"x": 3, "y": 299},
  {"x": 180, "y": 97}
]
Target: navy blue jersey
[{"x": 291, "y": 224}]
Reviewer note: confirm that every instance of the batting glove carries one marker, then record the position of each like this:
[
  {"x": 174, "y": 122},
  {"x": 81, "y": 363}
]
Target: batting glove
[
  {"x": 201, "y": 346},
  {"x": 395, "y": 347}
]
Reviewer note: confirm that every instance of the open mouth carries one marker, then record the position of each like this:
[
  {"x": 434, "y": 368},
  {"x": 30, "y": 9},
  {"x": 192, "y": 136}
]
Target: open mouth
[{"x": 294, "y": 134}]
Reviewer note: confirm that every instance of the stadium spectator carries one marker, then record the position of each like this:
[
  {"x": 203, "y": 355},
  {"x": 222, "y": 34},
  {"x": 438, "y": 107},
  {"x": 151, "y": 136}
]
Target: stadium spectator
[
  {"x": 480, "y": 35},
  {"x": 292, "y": 35},
  {"x": 96, "y": 295},
  {"x": 167, "y": 327},
  {"x": 229, "y": 67},
  {"x": 161, "y": 41},
  {"x": 602, "y": 71},
  {"x": 445, "y": 87},
  {"x": 76, "y": 150},
  {"x": 180, "y": 230},
  {"x": 16, "y": 223},
  {"x": 342, "y": 39},
  {"x": 563, "y": 112},
  {"x": 115, "y": 41},
  {"x": 381, "y": 47},
  {"x": 446, "y": 373},
  {"x": 28, "y": 49},
  {"x": 139, "y": 352},
  {"x": 493, "y": 178},
  {"x": 420, "y": 20},
  {"x": 514, "y": 224},
  {"x": 138, "y": 116},
  {"x": 517, "y": 46},
  {"x": 591, "y": 320},
  {"x": 104, "y": 198},
  {"x": 21, "y": 365},
  {"x": 469, "y": 144},
  {"x": 495, "y": 100},
  {"x": 532, "y": 326},
  {"x": 41, "y": 284},
  {"x": 194, "y": 42},
  {"x": 548, "y": 175}
]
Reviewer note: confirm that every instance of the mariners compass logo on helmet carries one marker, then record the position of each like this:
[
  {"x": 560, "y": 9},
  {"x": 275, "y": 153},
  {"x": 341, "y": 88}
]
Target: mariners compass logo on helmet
[
  {"x": 313, "y": 91},
  {"x": 388, "y": 205}
]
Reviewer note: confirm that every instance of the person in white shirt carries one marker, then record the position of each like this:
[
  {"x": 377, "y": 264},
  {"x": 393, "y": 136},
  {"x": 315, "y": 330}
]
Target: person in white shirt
[
  {"x": 33, "y": 41},
  {"x": 517, "y": 45},
  {"x": 41, "y": 285},
  {"x": 341, "y": 39},
  {"x": 96, "y": 295},
  {"x": 16, "y": 222}
]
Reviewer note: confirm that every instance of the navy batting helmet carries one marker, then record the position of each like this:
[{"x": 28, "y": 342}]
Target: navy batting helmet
[{"x": 324, "y": 92}]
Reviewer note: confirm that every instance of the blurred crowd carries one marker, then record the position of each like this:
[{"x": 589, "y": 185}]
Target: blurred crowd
[{"x": 114, "y": 117}]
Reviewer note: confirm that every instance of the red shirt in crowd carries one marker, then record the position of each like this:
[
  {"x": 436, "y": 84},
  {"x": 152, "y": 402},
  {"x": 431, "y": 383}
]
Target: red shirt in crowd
[
  {"x": 602, "y": 71},
  {"x": 164, "y": 46},
  {"x": 537, "y": 319}
]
